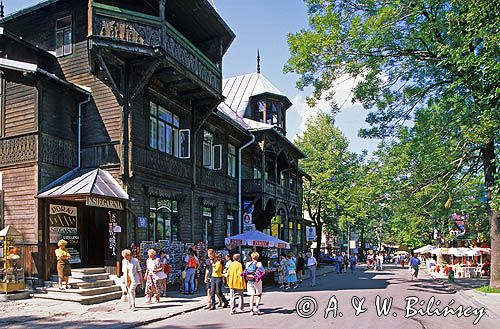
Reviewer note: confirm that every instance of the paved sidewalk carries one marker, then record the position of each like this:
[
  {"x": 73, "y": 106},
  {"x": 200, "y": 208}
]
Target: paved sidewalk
[
  {"x": 465, "y": 287},
  {"x": 42, "y": 313}
]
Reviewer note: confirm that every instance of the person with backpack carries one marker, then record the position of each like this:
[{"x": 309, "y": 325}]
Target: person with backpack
[
  {"x": 414, "y": 264},
  {"x": 254, "y": 271},
  {"x": 191, "y": 266}
]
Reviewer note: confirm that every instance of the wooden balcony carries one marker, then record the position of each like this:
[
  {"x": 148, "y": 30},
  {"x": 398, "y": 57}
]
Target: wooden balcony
[
  {"x": 217, "y": 180},
  {"x": 121, "y": 27},
  {"x": 254, "y": 186}
]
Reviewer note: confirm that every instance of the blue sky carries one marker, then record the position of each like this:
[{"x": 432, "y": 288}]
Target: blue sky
[{"x": 264, "y": 24}]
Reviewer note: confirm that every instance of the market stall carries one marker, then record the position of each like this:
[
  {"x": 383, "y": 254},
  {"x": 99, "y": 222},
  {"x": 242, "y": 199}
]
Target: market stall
[{"x": 256, "y": 239}]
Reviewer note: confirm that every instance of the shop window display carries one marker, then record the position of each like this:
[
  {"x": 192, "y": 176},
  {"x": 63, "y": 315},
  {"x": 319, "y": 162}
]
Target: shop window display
[{"x": 11, "y": 260}]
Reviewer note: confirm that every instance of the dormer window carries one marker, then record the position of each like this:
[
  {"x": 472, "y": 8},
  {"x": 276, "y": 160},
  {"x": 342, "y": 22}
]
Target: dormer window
[
  {"x": 270, "y": 111},
  {"x": 64, "y": 36}
]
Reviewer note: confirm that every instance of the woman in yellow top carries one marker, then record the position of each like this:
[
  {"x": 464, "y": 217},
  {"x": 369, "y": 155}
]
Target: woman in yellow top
[
  {"x": 63, "y": 266},
  {"x": 236, "y": 283}
]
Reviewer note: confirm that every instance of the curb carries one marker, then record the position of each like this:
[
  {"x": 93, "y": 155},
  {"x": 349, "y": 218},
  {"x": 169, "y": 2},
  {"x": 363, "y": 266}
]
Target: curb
[
  {"x": 196, "y": 308},
  {"x": 472, "y": 299}
]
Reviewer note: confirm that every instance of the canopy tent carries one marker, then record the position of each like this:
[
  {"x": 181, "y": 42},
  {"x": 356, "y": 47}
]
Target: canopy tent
[
  {"x": 425, "y": 249},
  {"x": 483, "y": 250},
  {"x": 256, "y": 239}
]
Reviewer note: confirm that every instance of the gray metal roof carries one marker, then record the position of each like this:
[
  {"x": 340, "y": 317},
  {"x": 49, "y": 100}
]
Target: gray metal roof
[
  {"x": 83, "y": 182},
  {"x": 238, "y": 91}
]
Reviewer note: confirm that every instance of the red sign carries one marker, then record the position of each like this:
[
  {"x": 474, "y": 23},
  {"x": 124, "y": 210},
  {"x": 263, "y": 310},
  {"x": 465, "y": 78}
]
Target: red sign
[
  {"x": 236, "y": 242},
  {"x": 261, "y": 243}
]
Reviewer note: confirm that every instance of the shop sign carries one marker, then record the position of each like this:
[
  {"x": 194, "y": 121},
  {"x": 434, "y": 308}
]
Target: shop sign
[
  {"x": 73, "y": 247},
  {"x": 310, "y": 233},
  {"x": 62, "y": 220},
  {"x": 112, "y": 234},
  {"x": 93, "y": 201},
  {"x": 352, "y": 244}
]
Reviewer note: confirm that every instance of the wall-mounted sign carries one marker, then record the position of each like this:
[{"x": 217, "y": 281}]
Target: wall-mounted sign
[
  {"x": 62, "y": 220},
  {"x": 310, "y": 233},
  {"x": 112, "y": 234},
  {"x": 142, "y": 222},
  {"x": 93, "y": 201}
]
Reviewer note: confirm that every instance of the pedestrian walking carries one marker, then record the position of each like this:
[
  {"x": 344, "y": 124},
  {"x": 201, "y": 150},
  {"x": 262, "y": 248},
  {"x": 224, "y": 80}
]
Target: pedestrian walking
[
  {"x": 380, "y": 261},
  {"x": 352, "y": 262},
  {"x": 153, "y": 268},
  {"x": 191, "y": 267},
  {"x": 301, "y": 264},
  {"x": 312, "y": 264},
  {"x": 282, "y": 272},
  {"x": 216, "y": 282},
  {"x": 165, "y": 267},
  {"x": 339, "y": 264},
  {"x": 292, "y": 274},
  {"x": 414, "y": 264},
  {"x": 346, "y": 262},
  {"x": 63, "y": 266},
  {"x": 132, "y": 276},
  {"x": 236, "y": 283},
  {"x": 254, "y": 271},
  {"x": 369, "y": 261}
]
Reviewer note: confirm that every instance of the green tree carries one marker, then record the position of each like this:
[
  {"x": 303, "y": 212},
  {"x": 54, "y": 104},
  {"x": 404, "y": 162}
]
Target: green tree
[
  {"x": 330, "y": 165},
  {"x": 409, "y": 55}
]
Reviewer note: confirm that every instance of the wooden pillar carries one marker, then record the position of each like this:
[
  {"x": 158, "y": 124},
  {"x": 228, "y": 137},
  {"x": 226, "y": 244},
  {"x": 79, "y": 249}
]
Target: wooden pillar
[{"x": 163, "y": 38}]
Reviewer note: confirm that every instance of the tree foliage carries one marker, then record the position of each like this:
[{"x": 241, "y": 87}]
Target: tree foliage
[{"x": 434, "y": 62}]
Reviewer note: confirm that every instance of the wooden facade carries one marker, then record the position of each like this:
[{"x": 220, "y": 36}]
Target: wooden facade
[{"x": 132, "y": 87}]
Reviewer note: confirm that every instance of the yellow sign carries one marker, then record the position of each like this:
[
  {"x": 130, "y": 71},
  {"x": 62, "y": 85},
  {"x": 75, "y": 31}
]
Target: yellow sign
[{"x": 275, "y": 229}]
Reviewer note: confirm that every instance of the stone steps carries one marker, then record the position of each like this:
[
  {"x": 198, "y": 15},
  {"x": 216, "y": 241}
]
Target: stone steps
[
  {"x": 88, "y": 286},
  {"x": 83, "y": 291},
  {"x": 82, "y": 299}
]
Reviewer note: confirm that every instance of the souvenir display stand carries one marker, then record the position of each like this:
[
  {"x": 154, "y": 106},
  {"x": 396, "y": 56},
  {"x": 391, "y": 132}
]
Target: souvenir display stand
[{"x": 11, "y": 260}]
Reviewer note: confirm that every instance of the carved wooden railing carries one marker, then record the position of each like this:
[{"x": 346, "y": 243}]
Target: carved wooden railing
[
  {"x": 254, "y": 186},
  {"x": 151, "y": 159},
  {"x": 216, "y": 179},
  {"x": 18, "y": 150},
  {"x": 137, "y": 28}
]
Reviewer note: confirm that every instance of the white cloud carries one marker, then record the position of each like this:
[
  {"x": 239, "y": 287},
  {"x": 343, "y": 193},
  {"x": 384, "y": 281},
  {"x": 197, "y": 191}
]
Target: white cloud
[{"x": 350, "y": 119}]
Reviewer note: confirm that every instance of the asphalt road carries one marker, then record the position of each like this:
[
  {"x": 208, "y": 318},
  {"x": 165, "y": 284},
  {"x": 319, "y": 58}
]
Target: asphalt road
[{"x": 340, "y": 291}]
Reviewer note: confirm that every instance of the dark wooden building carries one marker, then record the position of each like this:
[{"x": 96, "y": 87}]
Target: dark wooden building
[{"x": 111, "y": 131}]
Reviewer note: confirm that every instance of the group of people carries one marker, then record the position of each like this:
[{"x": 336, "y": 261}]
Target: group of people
[
  {"x": 343, "y": 262},
  {"x": 155, "y": 276},
  {"x": 291, "y": 269},
  {"x": 375, "y": 261},
  {"x": 238, "y": 278}
]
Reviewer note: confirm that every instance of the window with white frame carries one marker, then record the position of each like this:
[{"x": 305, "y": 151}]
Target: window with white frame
[
  {"x": 64, "y": 36},
  {"x": 165, "y": 134},
  {"x": 231, "y": 160},
  {"x": 212, "y": 154}
]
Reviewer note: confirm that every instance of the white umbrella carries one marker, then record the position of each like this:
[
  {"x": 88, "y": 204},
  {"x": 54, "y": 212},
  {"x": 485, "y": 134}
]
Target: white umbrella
[
  {"x": 425, "y": 249},
  {"x": 256, "y": 239}
]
